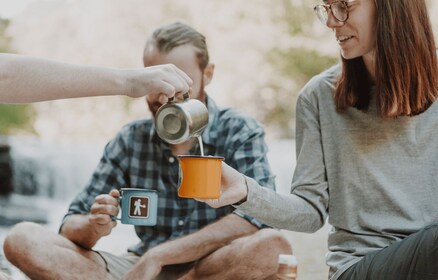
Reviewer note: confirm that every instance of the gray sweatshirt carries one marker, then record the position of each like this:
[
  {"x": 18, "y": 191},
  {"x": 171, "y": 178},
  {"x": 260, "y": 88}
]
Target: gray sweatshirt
[{"x": 375, "y": 179}]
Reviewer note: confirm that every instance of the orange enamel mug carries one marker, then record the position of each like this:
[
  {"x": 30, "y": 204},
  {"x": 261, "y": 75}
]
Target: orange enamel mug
[{"x": 200, "y": 176}]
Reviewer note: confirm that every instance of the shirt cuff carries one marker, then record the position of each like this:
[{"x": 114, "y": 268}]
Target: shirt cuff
[{"x": 250, "y": 219}]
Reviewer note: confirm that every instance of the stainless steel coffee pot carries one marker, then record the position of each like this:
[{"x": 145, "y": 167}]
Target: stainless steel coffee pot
[{"x": 176, "y": 122}]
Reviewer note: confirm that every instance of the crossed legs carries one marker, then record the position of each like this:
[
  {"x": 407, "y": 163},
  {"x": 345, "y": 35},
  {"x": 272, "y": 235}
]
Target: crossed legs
[
  {"x": 249, "y": 257},
  {"x": 42, "y": 254}
]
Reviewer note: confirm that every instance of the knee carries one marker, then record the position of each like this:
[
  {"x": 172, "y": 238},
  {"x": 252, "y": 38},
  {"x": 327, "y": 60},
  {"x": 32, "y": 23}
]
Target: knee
[
  {"x": 431, "y": 238},
  {"x": 262, "y": 250},
  {"x": 18, "y": 241},
  {"x": 273, "y": 241}
]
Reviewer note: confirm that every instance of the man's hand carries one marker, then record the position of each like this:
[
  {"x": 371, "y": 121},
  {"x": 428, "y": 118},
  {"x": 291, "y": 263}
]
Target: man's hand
[
  {"x": 164, "y": 79},
  {"x": 104, "y": 208},
  {"x": 233, "y": 188}
]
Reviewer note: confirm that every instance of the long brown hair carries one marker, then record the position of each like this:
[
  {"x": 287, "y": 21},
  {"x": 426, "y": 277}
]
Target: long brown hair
[{"x": 406, "y": 67}]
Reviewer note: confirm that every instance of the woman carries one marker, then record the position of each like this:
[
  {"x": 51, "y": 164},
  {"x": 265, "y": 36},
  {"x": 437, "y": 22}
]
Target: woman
[{"x": 367, "y": 150}]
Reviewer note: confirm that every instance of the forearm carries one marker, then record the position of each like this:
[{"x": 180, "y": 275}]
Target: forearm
[
  {"x": 78, "y": 229},
  {"x": 201, "y": 243},
  {"x": 26, "y": 79},
  {"x": 303, "y": 213}
]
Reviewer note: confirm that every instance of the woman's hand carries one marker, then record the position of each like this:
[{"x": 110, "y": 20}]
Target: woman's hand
[{"x": 233, "y": 188}]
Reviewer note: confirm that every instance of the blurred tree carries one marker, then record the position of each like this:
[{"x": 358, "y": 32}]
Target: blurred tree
[
  {"x": 293, "y": 65},
  {"x": 12, "y": 116}
]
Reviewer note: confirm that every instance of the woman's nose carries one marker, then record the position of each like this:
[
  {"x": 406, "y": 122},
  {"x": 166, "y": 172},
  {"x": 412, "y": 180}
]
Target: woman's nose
[{"x": 332, "y": 22}]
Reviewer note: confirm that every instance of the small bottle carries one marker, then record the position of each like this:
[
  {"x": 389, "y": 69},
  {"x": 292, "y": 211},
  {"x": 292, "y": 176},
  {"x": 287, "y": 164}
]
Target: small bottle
[{"x": 287, "y": 267}]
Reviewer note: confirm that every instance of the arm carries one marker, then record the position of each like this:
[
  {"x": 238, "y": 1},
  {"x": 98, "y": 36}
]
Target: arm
[
  {"x": 26, "y": 79},
  {"x": 89, "y": 215},
  {"x": 202, "y": 242},
  {"x": 306, "y": 208},
  {"x": 192, "y": 247}
]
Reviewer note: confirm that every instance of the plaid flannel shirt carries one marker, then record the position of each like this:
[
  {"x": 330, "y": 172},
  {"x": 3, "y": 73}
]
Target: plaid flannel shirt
[{"x": 138, "y": 158}]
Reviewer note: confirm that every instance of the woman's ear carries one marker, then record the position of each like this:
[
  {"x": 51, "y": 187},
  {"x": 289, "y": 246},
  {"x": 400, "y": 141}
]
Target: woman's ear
[{"x": 208, "y": 73}]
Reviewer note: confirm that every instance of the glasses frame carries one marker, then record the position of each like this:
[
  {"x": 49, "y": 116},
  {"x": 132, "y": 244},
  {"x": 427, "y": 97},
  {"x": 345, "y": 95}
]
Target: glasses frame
[{"x": 328, "y": 9}]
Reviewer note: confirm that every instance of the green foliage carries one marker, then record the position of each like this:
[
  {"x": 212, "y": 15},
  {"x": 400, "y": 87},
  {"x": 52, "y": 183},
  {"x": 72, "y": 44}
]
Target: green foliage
[
  {"x": 300, "y": 64},
  {"x": 12, "y": 116},
  {"x": 4, "y": 40},
  {"x": 294, "y": 67},
  {"x": 296, "y": 15}
]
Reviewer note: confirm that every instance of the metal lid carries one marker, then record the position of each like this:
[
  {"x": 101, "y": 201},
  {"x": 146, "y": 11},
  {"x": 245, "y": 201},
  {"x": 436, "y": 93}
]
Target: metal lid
[{"x": 171, "y": 124}]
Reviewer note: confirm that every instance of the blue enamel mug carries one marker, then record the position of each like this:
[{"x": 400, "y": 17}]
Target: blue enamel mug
[{"x": 138, "y": 206}]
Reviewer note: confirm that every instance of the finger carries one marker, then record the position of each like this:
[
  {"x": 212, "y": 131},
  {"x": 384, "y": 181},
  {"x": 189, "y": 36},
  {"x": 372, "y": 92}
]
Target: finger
[
  {"x": 106, "y": 209},
  {"x": 114, "y": 193},
  {"x": 106, "y": 199},
  {"x": 215, "y": 203},
  {"x": 100, "y": 219},
  {"x": 183, "y": 75},
  {"x": 175, "y": 88},
  {"x": 167, "y": 89}
]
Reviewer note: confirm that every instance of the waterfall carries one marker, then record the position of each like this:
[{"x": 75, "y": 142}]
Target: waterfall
[{"x": 51, "y": 170}]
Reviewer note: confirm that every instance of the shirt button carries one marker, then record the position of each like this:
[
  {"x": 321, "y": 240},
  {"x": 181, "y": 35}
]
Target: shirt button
[
  {"x": 171, "y": 159},
  {"x": 180, "y": 222}
]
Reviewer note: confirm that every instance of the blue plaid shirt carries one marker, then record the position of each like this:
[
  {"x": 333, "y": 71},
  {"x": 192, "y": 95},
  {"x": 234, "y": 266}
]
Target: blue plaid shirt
[{"x": 138, "y": 158}]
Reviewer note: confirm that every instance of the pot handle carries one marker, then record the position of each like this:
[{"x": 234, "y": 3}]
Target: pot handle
[{"x": 185, "y": 96}]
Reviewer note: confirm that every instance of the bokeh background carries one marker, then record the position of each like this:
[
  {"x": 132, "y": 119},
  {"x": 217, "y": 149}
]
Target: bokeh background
[{"x": 264, "y": 52}]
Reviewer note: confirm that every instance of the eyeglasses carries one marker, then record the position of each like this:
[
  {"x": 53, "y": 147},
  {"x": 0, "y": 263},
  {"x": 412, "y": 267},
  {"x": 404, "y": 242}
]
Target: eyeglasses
[{"x": 338, "y": 8}]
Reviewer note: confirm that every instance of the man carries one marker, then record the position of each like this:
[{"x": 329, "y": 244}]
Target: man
[
  {"x": 27, "y": 79},
  {"x": 191, "y": 240}
]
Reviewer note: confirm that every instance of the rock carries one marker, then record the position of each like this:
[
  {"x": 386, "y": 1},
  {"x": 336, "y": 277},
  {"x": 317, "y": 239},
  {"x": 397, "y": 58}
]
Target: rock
[
  {"x": 15, "y": 209},
  {"x": 5, "y": 169}
]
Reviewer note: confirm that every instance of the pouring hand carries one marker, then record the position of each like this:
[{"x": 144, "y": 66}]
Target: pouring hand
[
  {"x": 233, "y": 188},
  {"x": 164, "y": 79},
  {"x": 104, "y": 208}
]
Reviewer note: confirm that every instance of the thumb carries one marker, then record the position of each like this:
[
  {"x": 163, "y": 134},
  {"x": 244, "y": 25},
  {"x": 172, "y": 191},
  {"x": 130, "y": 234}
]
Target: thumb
[{"x": 114, "y": 193}]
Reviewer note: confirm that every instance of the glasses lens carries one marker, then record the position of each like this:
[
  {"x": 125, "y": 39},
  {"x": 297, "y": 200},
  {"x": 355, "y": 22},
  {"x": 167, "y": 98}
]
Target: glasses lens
[
  {"x": 339, "y": 10},
  {"x": 321, "y": 13}
]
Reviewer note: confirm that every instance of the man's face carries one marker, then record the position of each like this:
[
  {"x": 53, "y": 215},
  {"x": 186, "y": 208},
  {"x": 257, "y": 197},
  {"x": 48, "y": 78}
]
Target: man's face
[{"x": 184, "y": 57}]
